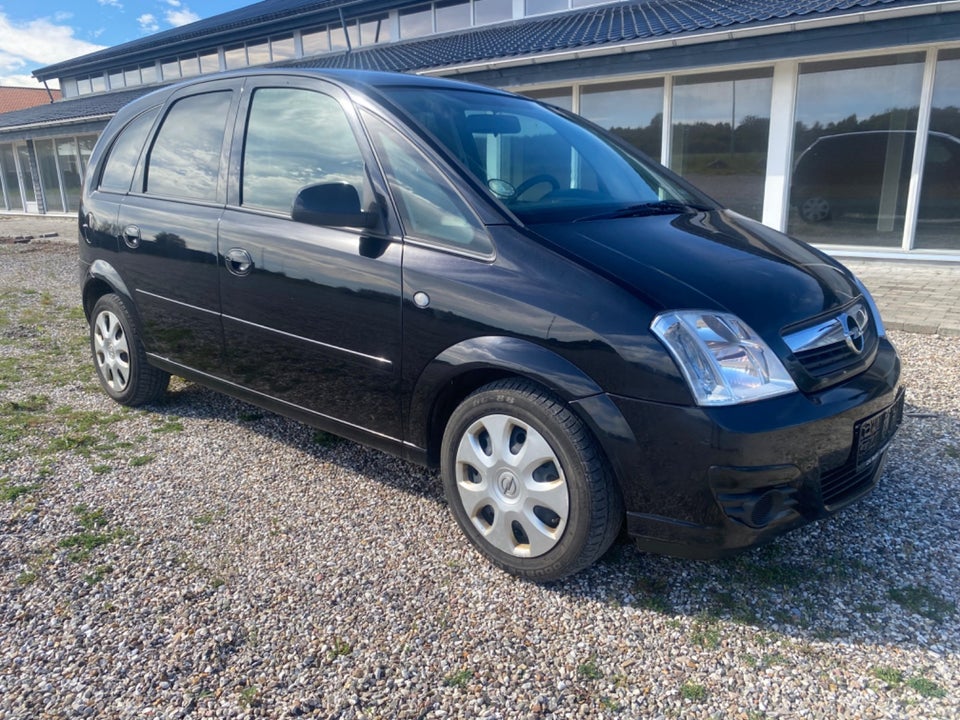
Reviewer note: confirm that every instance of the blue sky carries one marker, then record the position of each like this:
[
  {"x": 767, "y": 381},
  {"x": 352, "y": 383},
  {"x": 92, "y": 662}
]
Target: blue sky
[{"x": 34, "y": 33}]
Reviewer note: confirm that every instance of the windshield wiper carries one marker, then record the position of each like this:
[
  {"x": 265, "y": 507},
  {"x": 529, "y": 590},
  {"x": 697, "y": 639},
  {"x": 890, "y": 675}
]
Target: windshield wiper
[{"x": 661, "y": 207}]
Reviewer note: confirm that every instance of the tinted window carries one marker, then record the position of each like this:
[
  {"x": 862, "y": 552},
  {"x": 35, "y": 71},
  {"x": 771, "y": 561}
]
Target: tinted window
[
  {"x": 122, "y": 160},
  {"x": 544, "y": 166},
  {"x": 185, "y": 159},
  {"x": 296, "y": 138},
  {"x": 429, "y": 207}
]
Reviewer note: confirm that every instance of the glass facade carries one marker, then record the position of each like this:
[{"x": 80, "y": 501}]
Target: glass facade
[
  {"x": 60, "y": 162},
  {"x": 540, "y": 7},
  {"x": 13, "y": 198},
  {"x": 416, "y": 21},
  {"x": 561, "y": 97},
  {"x": 634, "y": 111},
  {"x": 235, "y": 57},
  {"x": 852, "y": 135},
  {"x": 49, "y": 175},
  {"x": 315, "y": 41},
  {"x": 938, "y": 219},
  {"x": 452, "y": 15},
  {"x": 719, "y": 137},
  {"x": 855, "y": 129},
  {"x": 486, "y": 12},
  {"x": 282, "y": 48},
  {"x": 847, "y": 169},
  {"x": 374, "y": 30},
  {"x": 28, "y": 187}
]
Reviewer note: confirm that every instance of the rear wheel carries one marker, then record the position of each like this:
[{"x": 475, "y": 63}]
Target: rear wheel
[
  {"x": 119, "y": 357},
  {"x": 527, "y": 483}
]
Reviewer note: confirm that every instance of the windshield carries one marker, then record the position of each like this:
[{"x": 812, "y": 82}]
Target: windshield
[{"x": 544, "y": 166}]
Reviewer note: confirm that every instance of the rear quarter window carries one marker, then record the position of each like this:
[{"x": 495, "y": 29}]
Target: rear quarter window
[{"x": 119, "y": 166}]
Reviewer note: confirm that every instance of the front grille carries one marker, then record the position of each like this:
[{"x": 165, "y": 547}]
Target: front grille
[
  {"x": 831, "y": 345},
  {"x": 824, "y": 361},
  {"x": 847, "y": 482}
]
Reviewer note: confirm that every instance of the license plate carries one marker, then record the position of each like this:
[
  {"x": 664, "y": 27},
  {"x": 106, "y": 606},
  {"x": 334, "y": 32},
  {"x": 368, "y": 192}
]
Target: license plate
[{"x": 875, "y": 432}]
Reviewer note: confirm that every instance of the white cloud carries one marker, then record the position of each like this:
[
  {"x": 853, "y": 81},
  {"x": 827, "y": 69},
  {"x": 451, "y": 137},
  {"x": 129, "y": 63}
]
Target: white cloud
[
  {"x": 173, "y": 3},
  {"x": 181, "y": 17},
  {"x": 25, "y": 45},
  {"x": 111, "y": 3},
  {"x": 148, "y": 23}
]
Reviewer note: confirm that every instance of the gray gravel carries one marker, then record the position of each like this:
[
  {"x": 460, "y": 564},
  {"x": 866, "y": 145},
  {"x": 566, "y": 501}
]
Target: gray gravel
[{"x": 202, "y": 558}]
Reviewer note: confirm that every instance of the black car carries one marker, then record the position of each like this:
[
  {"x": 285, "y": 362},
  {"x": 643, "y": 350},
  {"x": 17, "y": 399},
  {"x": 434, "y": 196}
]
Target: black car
[
  {"x": 476, "y": 281},
  {"x": 867, "y": 174}
]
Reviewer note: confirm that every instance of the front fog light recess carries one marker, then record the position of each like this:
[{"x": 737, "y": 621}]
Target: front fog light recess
[{"x": 722, "y": 359}]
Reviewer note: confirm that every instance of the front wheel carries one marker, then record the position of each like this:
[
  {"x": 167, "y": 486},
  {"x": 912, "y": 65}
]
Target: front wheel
[
  {"x": 118, "y": 355},
  {"x": 527, "y": 482},
  {"x": 815, "y": 209}
]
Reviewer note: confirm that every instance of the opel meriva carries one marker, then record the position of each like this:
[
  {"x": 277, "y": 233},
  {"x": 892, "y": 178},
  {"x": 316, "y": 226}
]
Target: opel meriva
[{"x": 469, "y": 279}]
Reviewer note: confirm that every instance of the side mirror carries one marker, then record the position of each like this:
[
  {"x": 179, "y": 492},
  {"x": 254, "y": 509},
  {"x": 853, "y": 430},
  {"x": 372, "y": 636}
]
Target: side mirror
[{"x": 336, "y": 204}]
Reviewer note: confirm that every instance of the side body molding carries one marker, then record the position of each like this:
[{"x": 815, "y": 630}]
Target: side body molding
[{"x": 462, "y": 367}]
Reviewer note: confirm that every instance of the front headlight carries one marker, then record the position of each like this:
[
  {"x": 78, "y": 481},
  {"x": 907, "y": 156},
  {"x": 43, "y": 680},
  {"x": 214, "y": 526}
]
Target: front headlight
[{"x": 722, "y": 359}]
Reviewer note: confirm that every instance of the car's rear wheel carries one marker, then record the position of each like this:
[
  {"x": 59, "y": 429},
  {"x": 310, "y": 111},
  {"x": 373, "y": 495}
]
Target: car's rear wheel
[
  {"x": 527, "y": 483},
  {"x": 118, "y": 355},
  {"x": 815, "y": 209}
]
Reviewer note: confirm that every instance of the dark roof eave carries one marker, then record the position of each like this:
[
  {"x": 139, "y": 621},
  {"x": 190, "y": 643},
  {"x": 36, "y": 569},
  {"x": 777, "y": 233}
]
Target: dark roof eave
[{"x": 207, "y": 33}]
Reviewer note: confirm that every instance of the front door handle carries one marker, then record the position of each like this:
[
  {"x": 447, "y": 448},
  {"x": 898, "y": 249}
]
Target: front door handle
[{"x": 239, "y": 262}]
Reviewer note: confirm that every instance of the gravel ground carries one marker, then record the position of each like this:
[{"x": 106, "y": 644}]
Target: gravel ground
[{"x": 202, "y": 558}]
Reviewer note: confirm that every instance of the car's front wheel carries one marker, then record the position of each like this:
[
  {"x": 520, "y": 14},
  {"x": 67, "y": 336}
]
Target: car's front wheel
[
  {"x": 815, "y": 209},
  {"x": 119, "y": 357},
  {"x": 527, "y": 483}
]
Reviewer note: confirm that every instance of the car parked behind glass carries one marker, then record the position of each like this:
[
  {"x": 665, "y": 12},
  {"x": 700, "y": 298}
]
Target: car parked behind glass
[
  {"x": 471, "y": 280},
  {"x": 868, "y": 174}
]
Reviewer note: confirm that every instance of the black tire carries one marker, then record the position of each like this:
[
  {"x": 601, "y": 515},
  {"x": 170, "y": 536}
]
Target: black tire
[
  {"x": 118, "y": 355},
  {"x": 512, "y": 507}
]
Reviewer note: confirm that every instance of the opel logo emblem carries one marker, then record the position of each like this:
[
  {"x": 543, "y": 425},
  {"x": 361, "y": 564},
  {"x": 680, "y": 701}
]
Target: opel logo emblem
[
  {"x": 508, "y": 484},
  {"x": 853, "y": 326}
]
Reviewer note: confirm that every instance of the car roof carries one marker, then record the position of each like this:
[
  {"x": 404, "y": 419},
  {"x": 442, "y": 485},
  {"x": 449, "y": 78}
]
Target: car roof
[{"x": 366, "y": 81}]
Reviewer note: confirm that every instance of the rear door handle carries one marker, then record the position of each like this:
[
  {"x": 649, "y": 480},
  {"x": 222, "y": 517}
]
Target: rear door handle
[{"x": 239, "y": 262}]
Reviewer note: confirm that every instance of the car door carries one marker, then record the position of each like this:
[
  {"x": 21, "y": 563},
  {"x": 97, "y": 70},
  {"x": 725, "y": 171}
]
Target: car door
[
  {"x": 102, "y": 205},
  {"x": 168, "y": 227},
  {"x": 311, "y": 312}
]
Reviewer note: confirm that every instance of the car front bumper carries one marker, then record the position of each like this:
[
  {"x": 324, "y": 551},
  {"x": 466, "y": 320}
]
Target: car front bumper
[{"x": 704, "y": 482}]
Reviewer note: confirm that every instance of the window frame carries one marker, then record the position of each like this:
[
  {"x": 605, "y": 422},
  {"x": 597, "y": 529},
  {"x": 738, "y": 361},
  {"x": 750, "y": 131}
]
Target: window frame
[
  {"x": 247, "y": 114},
  {"x": 153, "y": 110},
  {"x": 410, "y": 237},
  {"x": 389, "y": 227},
  {"x": 139, "y": 185}
]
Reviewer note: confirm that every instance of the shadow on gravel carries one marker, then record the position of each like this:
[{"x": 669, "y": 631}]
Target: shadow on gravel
[
  {"x": 196, "y": 401},
  {"x": 882, "y": 571}
]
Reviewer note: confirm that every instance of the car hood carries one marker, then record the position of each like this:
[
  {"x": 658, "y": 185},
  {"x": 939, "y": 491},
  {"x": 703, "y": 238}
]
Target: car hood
[{"x": 711, "y": 260}]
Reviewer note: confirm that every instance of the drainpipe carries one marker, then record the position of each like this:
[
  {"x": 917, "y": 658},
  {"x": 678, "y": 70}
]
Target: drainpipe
[
  {"x": 49, "y": 93},
  {"x": 343, "y": 25}
]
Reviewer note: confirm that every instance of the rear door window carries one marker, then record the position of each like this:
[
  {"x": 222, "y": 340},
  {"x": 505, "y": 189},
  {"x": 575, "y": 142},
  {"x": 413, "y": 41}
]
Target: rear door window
[{"x": 186, "y": 155}]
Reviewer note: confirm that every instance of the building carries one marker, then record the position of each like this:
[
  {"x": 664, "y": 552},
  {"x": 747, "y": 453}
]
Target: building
[
  {"x": 835, "y": 120},
  {"x": 18, "y": 98}
]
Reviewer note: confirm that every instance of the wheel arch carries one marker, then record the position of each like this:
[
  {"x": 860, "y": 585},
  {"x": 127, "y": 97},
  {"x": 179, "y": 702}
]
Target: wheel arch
[
  {"x": 471, "y": 364},
  {"x": 101, "y": 279}
]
